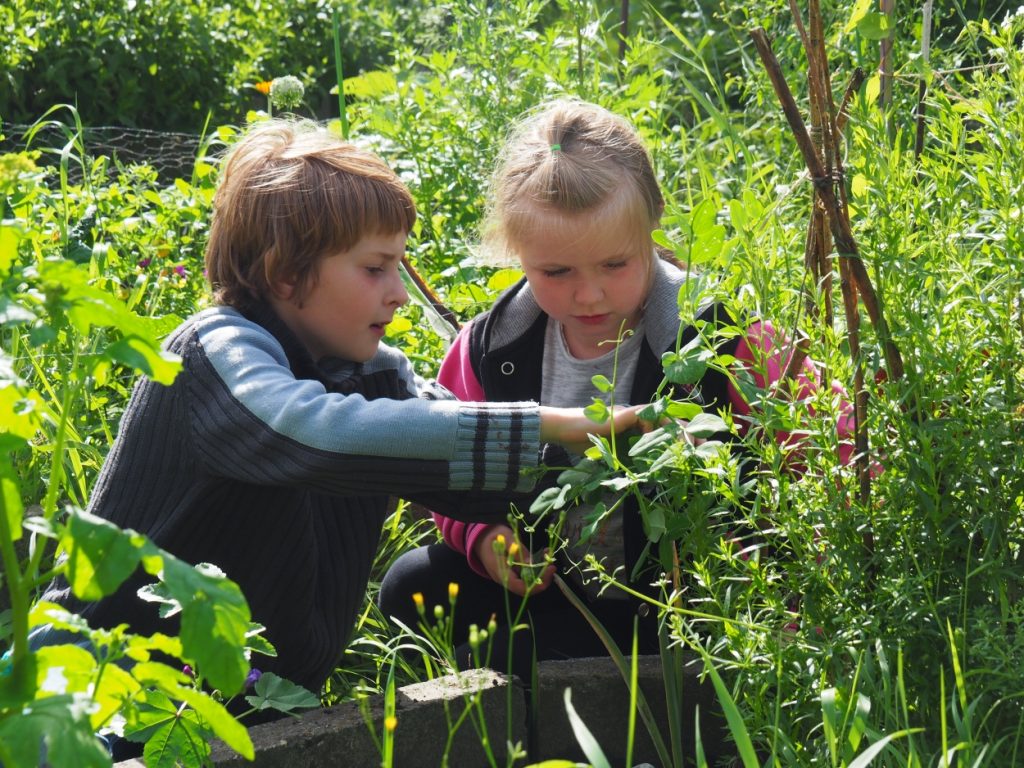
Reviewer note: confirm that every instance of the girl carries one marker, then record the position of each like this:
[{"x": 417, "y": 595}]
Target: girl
[{"x": 575, "y": 200}]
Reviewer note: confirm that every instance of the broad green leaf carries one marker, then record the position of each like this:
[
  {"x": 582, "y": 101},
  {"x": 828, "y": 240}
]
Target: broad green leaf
[
  {"x": 100, "y": 555},
  {"x": 504, "y": 278},
  {"x": 653, "y": 439},
  {"x": 62, "y": 724},
  {"x": 601, "y": 383},
  {"x": 875, "y": 26},
  {"x": 9, "y": 237},
  {"x": 214, "y": 621},
  {"x": 10, "y": 499},
  {"x": 678, "y": 409},
  {"x": 705, "y": 425},
  {"x": 369, "y": 85},
  {"x": 860, "y": 8},
  {"x": 223, "y": 724},
  {"x": 143, "y": 356},
  {"x": 873, "y": 88},
  {"x": 597, "y": 411},
  {"x": 687, "y": 366},
  {"x": 179, "y": 741},
  {"x": 273, "y": 692}
]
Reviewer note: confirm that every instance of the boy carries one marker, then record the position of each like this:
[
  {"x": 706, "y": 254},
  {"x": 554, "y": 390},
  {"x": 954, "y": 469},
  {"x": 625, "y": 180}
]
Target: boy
[{"x": 275, "y": 451}]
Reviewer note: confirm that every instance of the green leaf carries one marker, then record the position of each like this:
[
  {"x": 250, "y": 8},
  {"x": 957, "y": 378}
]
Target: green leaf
[
  {"x": 214, "y": 621},
  {"x": 143, "y": 356},
  {"x": 601, "y": 383},
  {"x": 217, "y": 717},
  {"x": 370, "y": 85},
  {"x": 860, "y": 8},
  {"x": 9, "y": 237},
  {"x": 504, "y": 278},
  {"x": 61, "y": 723},
  {"x": 273, "y": 692},
  {"x": 100, "y": 555},
  {"x": 597, "y": 411},
  {"x": 705, "y": 425},
  {"x": 687, "y": 366},
  {"x": 583, "y": 735},
  {"x": 875, "y": 26},
  {"x": 738, "y": 729},
  {"x": 10, "y": 498},
  {"x": 180, "y": 741}
]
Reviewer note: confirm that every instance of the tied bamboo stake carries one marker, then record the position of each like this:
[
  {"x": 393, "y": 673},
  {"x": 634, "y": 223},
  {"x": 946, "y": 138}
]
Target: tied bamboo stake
[{"x": 839, "y": 224}]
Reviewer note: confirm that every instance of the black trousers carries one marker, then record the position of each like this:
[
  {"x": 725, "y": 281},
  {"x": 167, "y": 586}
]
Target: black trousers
[{"x": 556, "y": 629}]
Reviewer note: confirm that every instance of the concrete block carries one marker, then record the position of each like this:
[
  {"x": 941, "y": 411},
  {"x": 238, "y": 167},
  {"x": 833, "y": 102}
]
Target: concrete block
[
  {"x": 426, "y": 712},
  {"x": 600, "y": 697}
]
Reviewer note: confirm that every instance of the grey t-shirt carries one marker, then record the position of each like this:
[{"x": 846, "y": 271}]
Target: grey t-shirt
[{"x": 567, "y": 383}]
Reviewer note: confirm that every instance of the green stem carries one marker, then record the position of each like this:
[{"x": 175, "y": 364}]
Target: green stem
[
  {"x": 15, "y": 585},
  {"x": 339, "y": 73}
]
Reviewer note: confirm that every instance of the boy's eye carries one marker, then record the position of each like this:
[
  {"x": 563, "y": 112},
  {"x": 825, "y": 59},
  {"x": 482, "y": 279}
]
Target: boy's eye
[
  {"x": 615, "y": 264},
  {"x": 556, "y": 272},
  {"x": 375, "y": 270}
]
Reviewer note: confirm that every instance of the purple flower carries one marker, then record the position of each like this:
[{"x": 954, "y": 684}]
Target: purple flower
[
  {"x": 180, "y": 270},
  {"x": 143, "y": 263},
  {"x": 187, "y": 670},
  {"x": 252, "y": 677}
]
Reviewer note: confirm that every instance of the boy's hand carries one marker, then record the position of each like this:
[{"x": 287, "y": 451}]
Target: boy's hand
[
  {"x": 570, "y": 426},
  {"x": 502, "y": 561}
]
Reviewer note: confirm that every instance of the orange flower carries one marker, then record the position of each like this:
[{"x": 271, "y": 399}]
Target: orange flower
[{"x": 263, "y": 87}]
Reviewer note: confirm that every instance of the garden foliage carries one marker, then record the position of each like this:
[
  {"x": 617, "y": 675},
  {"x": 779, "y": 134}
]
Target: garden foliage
[{"x": 840, "y": 631}]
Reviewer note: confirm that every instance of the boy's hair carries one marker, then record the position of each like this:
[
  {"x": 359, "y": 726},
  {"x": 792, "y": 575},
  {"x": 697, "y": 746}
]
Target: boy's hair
[
  {"x": 571, "y": 157},
  {"x": 291, "y": 193}
]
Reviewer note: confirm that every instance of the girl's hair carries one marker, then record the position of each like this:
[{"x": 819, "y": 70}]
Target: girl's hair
[
  {"x": 291, "y": 193},
  {"x": 571, "y": 157}
]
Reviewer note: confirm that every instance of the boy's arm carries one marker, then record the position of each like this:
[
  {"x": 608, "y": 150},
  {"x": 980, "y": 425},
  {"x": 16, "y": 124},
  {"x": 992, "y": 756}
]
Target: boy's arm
[
  {"x": 456, "y": 374},
  {"x": 252, "y": 420}
]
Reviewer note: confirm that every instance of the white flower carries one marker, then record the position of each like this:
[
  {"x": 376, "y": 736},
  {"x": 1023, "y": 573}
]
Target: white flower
[{"x": 286, "y": 92}]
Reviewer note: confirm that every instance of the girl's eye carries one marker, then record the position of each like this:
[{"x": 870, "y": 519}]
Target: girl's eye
[
  {"x": 556, "y": 272},
  {"x": 615, "y": 264},
  {"x": 375, "y": 270}
]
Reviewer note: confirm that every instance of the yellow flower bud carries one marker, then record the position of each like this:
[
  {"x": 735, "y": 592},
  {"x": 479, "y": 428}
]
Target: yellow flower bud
[
  {"x": 390, "y": 723},
  {"x": 499, "y": 543},
  {"x": 417, "y": 598},
  {"x": 513, "y": 551},
  {"x": 453, "y": 591}
]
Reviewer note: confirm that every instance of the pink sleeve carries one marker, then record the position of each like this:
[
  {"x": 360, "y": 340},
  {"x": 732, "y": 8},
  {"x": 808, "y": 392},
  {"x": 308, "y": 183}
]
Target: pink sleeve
[
  {"x": 763, "y": 355},
  {"x": 457, "y": 375}
]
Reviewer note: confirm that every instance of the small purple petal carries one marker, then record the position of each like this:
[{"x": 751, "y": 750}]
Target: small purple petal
[
  {"x": 188, "y": 671},
  {"x": 252, "y": 677},
  {"x": 143, "y": 263},
  {"x": 180, "y": 269}
]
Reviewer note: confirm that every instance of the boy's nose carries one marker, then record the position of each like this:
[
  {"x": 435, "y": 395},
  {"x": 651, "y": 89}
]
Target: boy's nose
[{"x": 399, "y": 295}]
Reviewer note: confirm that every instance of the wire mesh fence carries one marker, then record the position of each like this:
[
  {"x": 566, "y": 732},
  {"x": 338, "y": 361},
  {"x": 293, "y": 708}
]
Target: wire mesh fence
[{"x": 171, "y": 154}]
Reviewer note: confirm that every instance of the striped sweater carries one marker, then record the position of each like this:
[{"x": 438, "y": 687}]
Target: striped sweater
[{"x": 279, "y": 470}]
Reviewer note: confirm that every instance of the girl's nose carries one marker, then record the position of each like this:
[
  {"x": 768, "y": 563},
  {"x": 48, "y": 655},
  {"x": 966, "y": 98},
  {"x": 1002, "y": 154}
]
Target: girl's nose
[{"x": 588, "y": 292}]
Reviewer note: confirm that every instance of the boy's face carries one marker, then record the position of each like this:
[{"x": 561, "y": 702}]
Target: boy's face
[{"x": 354, "y": 297}]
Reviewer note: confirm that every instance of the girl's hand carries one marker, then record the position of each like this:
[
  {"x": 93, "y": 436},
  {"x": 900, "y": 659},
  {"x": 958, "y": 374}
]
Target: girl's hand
[
  {"x": 570, "y": 427},
  {"x": 503, "y": 560}
]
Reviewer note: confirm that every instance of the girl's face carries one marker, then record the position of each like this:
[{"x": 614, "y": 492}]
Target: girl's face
[{"x": 589, "y": 272}]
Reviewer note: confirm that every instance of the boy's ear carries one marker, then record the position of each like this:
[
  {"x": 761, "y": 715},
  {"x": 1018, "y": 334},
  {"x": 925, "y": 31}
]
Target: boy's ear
[{"x": 283, "y": 288}]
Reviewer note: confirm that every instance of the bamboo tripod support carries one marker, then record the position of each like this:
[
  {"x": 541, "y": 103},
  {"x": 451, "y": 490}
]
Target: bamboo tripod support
[{"x": 830, "y": 221}]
